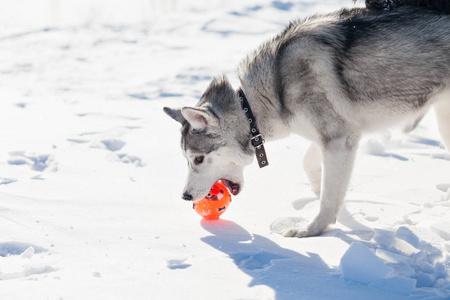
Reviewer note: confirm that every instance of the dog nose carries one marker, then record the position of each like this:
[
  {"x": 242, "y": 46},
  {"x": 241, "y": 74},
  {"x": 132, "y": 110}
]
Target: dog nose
[{"x": 186, "y": 196}]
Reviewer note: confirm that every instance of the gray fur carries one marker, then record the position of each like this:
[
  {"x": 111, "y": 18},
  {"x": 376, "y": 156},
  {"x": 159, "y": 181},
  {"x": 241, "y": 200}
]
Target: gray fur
[{"x": 330, "y": 78}]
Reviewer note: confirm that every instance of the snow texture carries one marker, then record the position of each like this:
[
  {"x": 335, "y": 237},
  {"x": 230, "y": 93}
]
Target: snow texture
[
  {"x": 360, "y": 265},
  {"x": 91, "y": 172}
]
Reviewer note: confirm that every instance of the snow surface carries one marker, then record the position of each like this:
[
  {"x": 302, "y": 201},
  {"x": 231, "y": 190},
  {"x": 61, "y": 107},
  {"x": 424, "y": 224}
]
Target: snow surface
[{"x": 91, "y": 171}]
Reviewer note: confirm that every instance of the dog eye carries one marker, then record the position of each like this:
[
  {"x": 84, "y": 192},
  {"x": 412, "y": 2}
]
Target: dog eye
[{"x": 199, "y": 159}]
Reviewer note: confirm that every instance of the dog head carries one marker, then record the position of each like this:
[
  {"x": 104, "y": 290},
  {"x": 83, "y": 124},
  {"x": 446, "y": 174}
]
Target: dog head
[{"x": 215, "y": 140}]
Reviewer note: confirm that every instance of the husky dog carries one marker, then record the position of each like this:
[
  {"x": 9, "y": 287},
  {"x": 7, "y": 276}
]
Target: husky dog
[{"x": 329, "y": 78}]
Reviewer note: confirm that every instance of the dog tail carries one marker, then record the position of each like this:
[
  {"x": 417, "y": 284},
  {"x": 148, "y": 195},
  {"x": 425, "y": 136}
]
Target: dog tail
[{"x": 442, "y": 6}]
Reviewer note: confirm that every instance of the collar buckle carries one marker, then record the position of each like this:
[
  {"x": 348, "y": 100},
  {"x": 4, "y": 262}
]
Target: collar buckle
[{"x": 257, "y": 140}]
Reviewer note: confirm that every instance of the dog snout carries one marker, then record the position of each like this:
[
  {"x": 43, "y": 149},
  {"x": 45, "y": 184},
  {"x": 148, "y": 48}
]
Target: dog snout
[{"x": 186, "y": 196}]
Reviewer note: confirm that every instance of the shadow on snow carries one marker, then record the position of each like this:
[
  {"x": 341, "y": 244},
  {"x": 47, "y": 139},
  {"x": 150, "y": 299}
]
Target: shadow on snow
[{"x": 290, "y": 274}]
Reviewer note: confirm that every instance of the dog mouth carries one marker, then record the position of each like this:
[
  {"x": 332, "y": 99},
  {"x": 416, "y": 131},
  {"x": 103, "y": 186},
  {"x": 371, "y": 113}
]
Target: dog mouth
[{"x": 233, "y": 187}]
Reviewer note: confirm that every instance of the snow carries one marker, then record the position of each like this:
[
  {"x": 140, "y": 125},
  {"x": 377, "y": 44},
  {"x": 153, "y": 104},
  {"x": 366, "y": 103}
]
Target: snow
[
  {"x": 91, "y": 172},
  {"x": 360, "y": 265},
  {"x": 395, "y": 284}
]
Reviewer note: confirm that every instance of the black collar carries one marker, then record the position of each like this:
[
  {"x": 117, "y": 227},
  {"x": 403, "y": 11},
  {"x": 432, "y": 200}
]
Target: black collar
[{"x": 257, "y": 138}]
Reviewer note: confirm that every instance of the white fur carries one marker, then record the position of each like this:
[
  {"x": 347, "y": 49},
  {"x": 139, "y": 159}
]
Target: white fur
[
  {"x": 219, "y": 164},
  {"x": 442, "y": 110}
]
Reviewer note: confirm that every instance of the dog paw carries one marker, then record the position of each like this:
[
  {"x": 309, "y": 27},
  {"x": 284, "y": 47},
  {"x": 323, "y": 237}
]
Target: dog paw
[
  {"x": 295, "y": 227},
  {"x": 312, "y": 229},
  {"x": 298, "y": 233},
  {"x": 316, "y": 191},
  {"x": 315, "y": 188}
]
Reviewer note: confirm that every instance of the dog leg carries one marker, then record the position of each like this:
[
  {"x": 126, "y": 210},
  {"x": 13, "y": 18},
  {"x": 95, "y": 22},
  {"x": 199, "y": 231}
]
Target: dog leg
[
  {"x": 338, "y": 157},
  {"x": 312, "y": 164},
  {"x": 442, "y": 110}
]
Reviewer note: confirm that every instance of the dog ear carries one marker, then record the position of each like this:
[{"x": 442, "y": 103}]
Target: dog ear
[
  {"x": 175, "y": 114},
  {"x": 199, "y": 118}
]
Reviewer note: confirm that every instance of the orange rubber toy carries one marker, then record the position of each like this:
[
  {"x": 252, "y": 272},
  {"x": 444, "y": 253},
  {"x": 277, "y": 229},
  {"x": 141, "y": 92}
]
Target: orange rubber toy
[{"x": 215, "y": 204}]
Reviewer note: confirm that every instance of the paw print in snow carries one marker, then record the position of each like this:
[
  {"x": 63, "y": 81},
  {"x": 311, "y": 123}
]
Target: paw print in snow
[{"x": 36, "y": 162}]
